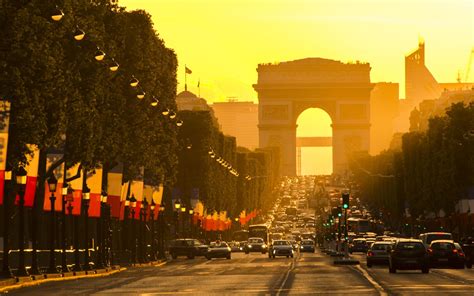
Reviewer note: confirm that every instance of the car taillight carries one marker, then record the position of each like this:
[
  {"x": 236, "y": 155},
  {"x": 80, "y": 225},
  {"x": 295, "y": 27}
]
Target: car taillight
[
  {"x": 430, "y": 251},
  {"x": 370, "y": 254}
]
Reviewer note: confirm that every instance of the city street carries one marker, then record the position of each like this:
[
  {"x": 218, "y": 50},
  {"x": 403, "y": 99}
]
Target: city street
[{"x": 255, "y": 274}]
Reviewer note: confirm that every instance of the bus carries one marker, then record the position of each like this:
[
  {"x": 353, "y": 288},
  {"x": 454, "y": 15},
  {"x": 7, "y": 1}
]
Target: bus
[
  {"x": 358, "y": 225},
  {"x": 240, "y": 236},
  {"x": 259, "y": 230}
]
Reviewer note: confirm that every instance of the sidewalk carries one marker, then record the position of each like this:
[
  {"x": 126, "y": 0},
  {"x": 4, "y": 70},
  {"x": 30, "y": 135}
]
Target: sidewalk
[{"x": 28, "y": 281}]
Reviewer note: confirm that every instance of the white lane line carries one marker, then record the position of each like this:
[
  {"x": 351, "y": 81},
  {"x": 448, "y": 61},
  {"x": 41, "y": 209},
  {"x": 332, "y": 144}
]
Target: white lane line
[
  {"x": 369, "y": 278},
  {"x": 292, "y": 266}
]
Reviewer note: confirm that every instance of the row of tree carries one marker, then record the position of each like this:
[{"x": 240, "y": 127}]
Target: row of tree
[
  {"x": 202, "y": 175},
  {"x": 427, "y": 175}
]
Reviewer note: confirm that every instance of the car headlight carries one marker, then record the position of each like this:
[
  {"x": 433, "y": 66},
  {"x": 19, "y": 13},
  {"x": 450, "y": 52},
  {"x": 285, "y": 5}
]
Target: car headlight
[
  {"x": 228, "y": 249},
  {"x": 264, "y": 246},
  {"x": 241, "y": 248},
  {"x": 301, "y": 247},
  {"x": 250, "y": 246},
  {"x": 274, "y": 251}
]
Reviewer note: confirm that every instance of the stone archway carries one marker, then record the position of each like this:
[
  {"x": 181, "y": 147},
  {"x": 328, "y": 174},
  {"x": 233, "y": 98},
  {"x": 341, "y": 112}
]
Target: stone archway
[{"x": 287, "y": 89}]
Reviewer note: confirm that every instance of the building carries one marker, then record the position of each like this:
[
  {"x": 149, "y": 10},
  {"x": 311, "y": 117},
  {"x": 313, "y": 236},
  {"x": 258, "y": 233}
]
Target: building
[{"x": 240, "y": 120}]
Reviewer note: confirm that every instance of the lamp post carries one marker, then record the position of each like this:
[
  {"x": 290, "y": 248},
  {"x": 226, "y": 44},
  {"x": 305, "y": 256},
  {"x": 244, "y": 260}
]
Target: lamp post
[
  {"x": 191, "y": 225},
  {"x": 177, "y": 206},
  {"x": 183, "y": 220},
  {"x": 85, "y": 200},
  {"x": 6, "y": 273},
  {"x": 133, "y": 204},
  {"x": 143, "y": 241},
  {"x": 21, "y": 182},
  {"x": 152, "y": 218},
  {"x": 66, "y": 191},
  {"x": 125, "y": 241},
  {"x": 75, "y": 220},
  {"x": 161, "y": 221},
  {"x": 52, "y": 184},
  {"x": 104, "y": 217},
  {"x": 99, "y": 248}
]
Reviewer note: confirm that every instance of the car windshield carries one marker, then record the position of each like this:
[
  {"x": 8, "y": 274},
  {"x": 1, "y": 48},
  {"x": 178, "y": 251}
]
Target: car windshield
[
  {"x": 307, "y": 243},
  {"x": 218, "y": 245},
  {"x": 255, "y": 240},
  {"x": 409, "y": 246},
  {"x": 281, "y": 243},
  {"x": 438, "y": 236}
]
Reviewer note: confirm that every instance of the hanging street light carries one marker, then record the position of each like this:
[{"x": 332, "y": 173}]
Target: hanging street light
[
  {"x": 172, "y": 115},
  {"x": 113, "y": 66},
  {"x": 165, "y": 112},
  {"x": 154, "y": 102},
  {"x": 99, "y": 55},
  {"x": 179, "y": 123},
  {"x": 79, "y": 34},
  {"x": 57, "y": 15},
  {"x": 141, "y": 94},
  {"x": 134, "y": 82}
]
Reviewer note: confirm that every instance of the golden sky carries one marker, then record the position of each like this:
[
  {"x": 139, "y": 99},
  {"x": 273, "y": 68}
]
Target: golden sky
[{"x": 223, "y": 41}]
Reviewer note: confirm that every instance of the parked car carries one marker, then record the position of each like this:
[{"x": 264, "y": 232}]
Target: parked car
[
  {"x": 256, "y": 244},
  {"x": 409, "y": 254},
  {"x": 445, "y": 253},
  {"x": 467, "y": 245},
  {"x": 378, "y": 253},
  {"x": 358, "y": 245},
  {"x": 280, "y": 248},
  {"x": 218, "y": 250},
  {"x": 307, "y": 246},
  {"x": 187, "y": 247}
]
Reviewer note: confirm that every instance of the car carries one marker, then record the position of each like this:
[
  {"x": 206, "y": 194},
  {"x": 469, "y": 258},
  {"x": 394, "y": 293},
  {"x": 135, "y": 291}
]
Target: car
[
  {"x": 187, "y": 247},
  {"x": 218, "y": 250},
  {"x": 280, "y": 248},
  {"x": 445, "y": 253},
  {"x": 256, "y": 244},
  {"x": 467, "y": 245},
  {"x": 428, "y": 237},
  {"x": 378, "y": 253},
  {"x": 307, "y": 245},
  {"x": 358, "y": 245},
  {"x": 408, "y": 254}
]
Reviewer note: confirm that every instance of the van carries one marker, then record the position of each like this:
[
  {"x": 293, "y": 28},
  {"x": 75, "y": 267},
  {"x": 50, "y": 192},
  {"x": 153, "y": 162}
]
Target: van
[{"x": 428, "y": 237}]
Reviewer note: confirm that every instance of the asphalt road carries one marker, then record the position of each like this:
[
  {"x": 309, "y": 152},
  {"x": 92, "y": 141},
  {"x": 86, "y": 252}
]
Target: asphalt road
[{"x": 256, "y": 274}]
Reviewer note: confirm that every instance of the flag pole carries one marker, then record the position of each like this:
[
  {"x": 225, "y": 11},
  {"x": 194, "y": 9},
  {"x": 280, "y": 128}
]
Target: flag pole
[
  {"x": 199, "y": 87},
  {"x": 185, "y": 78}
]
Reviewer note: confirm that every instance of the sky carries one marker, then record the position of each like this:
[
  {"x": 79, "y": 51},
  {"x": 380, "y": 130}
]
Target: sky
[{"x": 223, "y": 41}]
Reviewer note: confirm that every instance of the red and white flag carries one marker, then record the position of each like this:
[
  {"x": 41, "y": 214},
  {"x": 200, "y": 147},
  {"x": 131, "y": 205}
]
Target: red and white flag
[
  {"x": 32, "y": 177},
  {"x": 114, "y": 189},
  {"x": 5, "y": 109},
  {"x": 94, "y": 182}
]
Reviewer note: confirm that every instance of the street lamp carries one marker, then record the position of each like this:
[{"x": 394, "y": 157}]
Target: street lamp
[
  {"x": 113, "y": 66},
  {"x": 86, "y": 199},
  {"x": 143, "y": 240},
  {"x": 133, "y": 204},
  {"x": 65, "y": 192},
  {"x": 99, "y": 55},
  {"x": 134, "y": 82},
  {"x": 52, "y": 184},
  {"x": 21, "y": 182},
  {"x": 152, "y": 217},
  {"x": 57, "y": 15},
  {"x": 177, "y": 205},
  {"x": 6, "y": 273},
  {"x": 161, "y": 223},
  {"x": 79, "y": 34}
]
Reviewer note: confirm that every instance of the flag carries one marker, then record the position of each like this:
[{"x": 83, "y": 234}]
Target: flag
[
  {"x": 94, "y": 182},
  {"x": 31, "y": 178},
  {"x": 114, "y": 189},
  {"x": 5, "y": 109},
  {"x": 59, "y": 174},
  {"x": 123, "y": 197},
  {"x": 199, "y": 82},
  {"x": 188, "y": 71},
  {"x": 76, "y": 186},
  {"x": 136, "y": 189}
]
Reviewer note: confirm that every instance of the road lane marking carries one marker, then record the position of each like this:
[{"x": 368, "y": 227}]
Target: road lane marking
[{"x": 370, "y": 279}]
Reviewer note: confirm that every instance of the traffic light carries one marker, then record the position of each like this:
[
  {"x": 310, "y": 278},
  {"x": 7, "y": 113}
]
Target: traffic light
[
  {"x": 345, "y": 200},
  {"x": 339, "y": 212}
]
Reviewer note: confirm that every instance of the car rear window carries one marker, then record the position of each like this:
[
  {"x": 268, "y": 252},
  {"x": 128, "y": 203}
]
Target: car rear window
[
  {"x": 442, "y": 246},
  {"x": 255, "y": 240},
  {"x": 440, "y": 236},
  {"x": 409, "y": 246},
  {"x": 380, "y": 246}
]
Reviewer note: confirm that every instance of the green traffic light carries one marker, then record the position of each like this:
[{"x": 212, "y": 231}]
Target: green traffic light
[{"x": 345, "y": 206}]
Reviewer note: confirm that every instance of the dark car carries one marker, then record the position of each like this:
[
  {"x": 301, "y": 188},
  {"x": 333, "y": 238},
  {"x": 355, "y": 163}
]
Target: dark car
[
  {"x": 218, "y": 250},
  {"x": 187, "y": 247},
  {"x": 467, "y": 245},
  {"x": 307, "y": 246},
  {"x": 358, "y": 245},
  {"x": 280, "y": 248},
  {"x": 256, "y": 244},
  {"x": 378, "y": 253},
  {"x": 409, "y": 254},
  {"x": 444, "y": 253}
]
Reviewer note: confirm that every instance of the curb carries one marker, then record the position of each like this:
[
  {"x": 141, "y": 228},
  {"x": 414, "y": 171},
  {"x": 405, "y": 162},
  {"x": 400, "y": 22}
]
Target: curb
[{"x": 23, "y": 282}]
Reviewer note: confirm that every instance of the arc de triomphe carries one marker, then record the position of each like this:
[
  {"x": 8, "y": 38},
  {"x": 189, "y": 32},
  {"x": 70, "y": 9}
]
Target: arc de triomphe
[{"x": 286, "y": 89}]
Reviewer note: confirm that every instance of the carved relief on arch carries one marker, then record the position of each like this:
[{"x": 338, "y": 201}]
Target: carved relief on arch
[{"x": 275, "y": 112}]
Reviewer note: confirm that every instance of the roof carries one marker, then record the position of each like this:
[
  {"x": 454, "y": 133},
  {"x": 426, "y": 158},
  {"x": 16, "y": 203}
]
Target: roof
[{"x": 186, "y": 94}]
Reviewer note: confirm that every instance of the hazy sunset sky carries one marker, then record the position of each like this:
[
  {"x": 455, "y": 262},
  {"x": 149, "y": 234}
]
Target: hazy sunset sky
[{"x": 223, "y": 41}]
